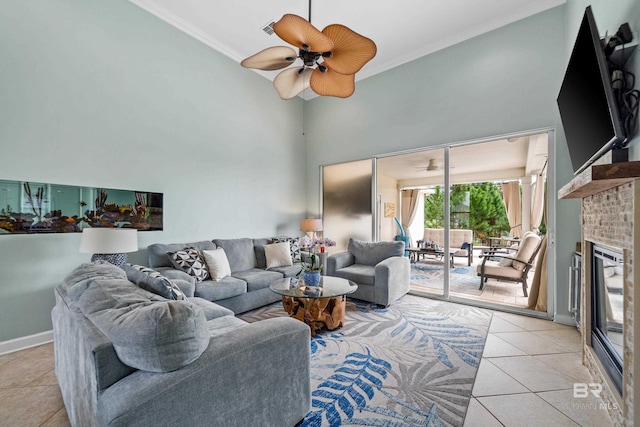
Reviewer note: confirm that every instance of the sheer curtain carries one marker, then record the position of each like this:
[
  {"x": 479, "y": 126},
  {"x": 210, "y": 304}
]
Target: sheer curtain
[
  {"x": 511, "y": 198},
  {"x": 409, "y": 208}
]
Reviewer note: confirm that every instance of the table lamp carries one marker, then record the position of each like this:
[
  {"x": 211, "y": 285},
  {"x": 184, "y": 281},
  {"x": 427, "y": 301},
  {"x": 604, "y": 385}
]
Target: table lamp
[
  {"x": 311, "y": 225},
  {"x": 109, "y": 244}
]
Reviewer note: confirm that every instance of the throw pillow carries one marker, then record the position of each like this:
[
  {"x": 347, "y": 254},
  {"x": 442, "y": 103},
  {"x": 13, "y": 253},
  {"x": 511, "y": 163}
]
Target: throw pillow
[
  {"x": 294, "y": 243},
  {"x": 217, "y": 264},
  {"x": 505, "y": 262},
  {"x": 190, "y": 261},
  {"x": 278, "y": 255},
  {"x": 152, "y": 281}
]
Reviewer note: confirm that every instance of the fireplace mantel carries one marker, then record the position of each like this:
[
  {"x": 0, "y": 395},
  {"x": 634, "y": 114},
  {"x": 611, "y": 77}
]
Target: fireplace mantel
[{"x": 598, "y": 178}]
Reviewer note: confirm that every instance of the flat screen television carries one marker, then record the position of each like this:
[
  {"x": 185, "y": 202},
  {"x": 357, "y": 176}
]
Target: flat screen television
[{"x": 587, "y": 103}]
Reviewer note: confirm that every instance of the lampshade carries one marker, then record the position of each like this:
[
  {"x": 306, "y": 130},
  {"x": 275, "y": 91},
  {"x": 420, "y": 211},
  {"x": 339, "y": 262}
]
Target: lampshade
[
  {"x": 311, "y": 224},
  {"x": 109, "y": 244}
]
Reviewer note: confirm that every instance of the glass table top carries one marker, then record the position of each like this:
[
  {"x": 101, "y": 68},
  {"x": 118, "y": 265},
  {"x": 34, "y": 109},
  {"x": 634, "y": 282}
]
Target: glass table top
[{"x": 329, "y": 287}]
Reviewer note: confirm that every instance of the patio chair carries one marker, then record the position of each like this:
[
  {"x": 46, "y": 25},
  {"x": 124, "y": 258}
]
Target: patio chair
[{"x": 511, "y": 268}]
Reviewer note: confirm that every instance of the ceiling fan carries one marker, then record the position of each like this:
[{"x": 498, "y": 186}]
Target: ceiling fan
[
  {"x": 330, "y": 57},
  {"x": 433, "y": 165}
]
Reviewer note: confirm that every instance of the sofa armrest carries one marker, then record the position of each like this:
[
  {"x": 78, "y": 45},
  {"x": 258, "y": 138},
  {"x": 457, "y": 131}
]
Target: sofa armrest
[
  {"x": 175, "y": 274},
  {"x": 233, "y": 383},
  {"x": 392, "y": 280},
  {"x": 337, "y": 261}
]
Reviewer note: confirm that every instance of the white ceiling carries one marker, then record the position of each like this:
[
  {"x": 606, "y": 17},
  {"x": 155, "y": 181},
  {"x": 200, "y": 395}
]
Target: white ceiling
[
  {"x": 402, "y": 31},
  {"x": 499, "y": 160}
]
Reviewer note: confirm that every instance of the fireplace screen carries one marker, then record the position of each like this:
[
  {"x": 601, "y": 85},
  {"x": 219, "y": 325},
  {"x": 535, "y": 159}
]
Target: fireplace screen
[{"x": 607, "y": 313}]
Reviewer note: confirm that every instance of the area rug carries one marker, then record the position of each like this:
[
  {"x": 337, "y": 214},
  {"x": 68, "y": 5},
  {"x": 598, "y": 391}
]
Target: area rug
[
  {"x": 430, "y": 275},
  {"x": 411, "y": 364}
]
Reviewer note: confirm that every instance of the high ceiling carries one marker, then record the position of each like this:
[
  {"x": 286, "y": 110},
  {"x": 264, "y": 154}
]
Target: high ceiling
[{"x": 402, "y": 31}]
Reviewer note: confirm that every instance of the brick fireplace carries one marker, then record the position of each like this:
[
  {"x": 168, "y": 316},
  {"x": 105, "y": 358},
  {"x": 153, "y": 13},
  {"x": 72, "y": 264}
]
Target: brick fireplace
[{"x": 611, "y": 216}]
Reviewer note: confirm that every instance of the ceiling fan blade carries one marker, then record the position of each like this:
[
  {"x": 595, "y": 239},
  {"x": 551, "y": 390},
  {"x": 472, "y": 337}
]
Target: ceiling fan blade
[
  {"x": 331, "y": 83},
  {"x": 299, "y": 32},
  {"x": 289, "y": 83},
  {"x": 350, "y": 50},
  {"x": 271, "y": 58}
]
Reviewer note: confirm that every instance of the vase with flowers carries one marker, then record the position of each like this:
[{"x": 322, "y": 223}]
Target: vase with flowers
[{"x": 311, "y": 270}]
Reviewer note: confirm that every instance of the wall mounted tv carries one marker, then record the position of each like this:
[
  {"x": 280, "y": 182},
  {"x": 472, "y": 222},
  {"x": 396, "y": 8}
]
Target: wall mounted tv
[{"x": 587, "y": 103}]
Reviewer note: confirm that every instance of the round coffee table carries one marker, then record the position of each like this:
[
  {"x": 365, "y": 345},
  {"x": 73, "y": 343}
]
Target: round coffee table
[{"x": 317, "y": 306}]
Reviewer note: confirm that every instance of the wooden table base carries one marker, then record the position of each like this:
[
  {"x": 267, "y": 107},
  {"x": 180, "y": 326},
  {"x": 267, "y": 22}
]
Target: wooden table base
[{"x": 317, "y": 312}]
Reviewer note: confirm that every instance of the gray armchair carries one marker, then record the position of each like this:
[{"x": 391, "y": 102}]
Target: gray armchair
[{"x": 380, "y": 269}]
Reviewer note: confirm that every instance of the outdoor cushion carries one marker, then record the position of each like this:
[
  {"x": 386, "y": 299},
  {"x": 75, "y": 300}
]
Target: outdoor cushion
[
  {"x": 492, "y": 268},
  {"x": 526, "y": 249},
  {"x": 147, "y": 334},
  {"x": 370, "y": 253}
]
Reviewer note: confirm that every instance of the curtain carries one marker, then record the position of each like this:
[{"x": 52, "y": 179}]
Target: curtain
[
  {"x": 409, "y": 208},
  {"x": 538, "y": 202},
  {"x": 513, "y": 204},
  {"x": 538, "y": 292}
]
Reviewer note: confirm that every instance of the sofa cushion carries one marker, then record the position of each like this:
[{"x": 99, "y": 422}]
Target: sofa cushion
[
  {"x": 190, "y": 261},
  {"x": 157, "y": 252},
  {"x": 157, "y": 336},
  {"x": 257, "y": 278},
  {"x": 82, "y": 276},
  {"x": 222, "y": 289},
  {"x": 152, "y": 281},
  {"x": 211, "y": 310},
  {"x": 294, "y": 246},
  {"x": 278, "y": 255},
  {"x": 289, "y": 271},
  {"x": 359, "y": 273},
  {"x": 240, "y": 253},
  {"x": 217, "y": 264},
  {"x": 258, "y": 248},
  {"x": 371, "y": 253}
]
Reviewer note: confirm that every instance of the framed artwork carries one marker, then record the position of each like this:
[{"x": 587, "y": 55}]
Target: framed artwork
[
  {"x": 389, "y": 210},
  {"x": 32, "y": 207}
]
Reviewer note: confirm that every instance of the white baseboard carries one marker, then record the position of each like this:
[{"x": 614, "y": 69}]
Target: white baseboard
[
  {"x": 564, "y": 319},
  {"x": 25, "y": 342}
]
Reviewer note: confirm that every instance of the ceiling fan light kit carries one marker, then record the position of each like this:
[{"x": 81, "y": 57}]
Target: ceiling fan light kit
[{"x": 330, "y": 57}]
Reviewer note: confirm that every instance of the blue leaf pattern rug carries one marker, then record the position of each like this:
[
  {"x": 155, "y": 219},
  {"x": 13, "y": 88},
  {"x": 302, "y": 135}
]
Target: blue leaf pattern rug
[{"x": 411, "y": 364}]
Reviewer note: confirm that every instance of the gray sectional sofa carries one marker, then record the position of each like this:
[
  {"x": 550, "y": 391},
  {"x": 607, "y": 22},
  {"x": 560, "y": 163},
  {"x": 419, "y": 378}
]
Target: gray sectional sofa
[
  {"x": 248, "y": 285},
  {"x": 125, "y": 356}
]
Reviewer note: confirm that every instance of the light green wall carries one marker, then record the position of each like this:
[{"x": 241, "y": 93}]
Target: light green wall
[
  {"x": 103, "y": 94},
  {"x": 501, "y": 82}
]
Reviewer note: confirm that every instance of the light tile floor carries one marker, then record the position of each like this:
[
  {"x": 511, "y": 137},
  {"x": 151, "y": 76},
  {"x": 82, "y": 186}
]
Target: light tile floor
[{"x": 525, "y": 378}]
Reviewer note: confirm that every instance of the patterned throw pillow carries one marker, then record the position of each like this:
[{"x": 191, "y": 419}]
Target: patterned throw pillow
[
  {"x": 294, "y": 243},
  {"x": 191, "y": 262},
  {"x": 152, "y": 281}
]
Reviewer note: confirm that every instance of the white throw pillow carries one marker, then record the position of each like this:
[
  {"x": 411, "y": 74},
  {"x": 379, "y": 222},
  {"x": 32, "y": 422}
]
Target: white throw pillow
[
  {"x": 505, "y": 262},
  {"x": 278, "y": 255},
  {"x": 217, "y": 263}
]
